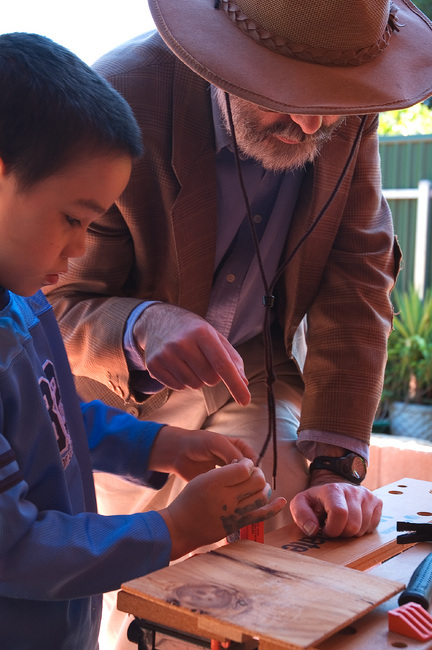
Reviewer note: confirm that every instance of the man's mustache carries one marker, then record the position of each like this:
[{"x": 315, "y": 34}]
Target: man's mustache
[{"x": 292, "y": 131}]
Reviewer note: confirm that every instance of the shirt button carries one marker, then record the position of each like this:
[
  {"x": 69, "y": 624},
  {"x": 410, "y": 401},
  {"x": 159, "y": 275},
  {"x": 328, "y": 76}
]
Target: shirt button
[
  {"x": 133, "y": 411},
  {"x": 230, "y": 277},
  {"x": 257, "y": 218}
]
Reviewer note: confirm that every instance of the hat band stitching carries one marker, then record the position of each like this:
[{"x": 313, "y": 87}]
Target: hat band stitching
[{"x": 323, "y": 56}]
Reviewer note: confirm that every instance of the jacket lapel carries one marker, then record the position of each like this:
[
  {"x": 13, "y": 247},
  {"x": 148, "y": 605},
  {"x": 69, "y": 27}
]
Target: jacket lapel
[
  {"x": 308, "y": 254},
  {"x": 194, "y": 211},
  {"x": 319, "y": 183}
]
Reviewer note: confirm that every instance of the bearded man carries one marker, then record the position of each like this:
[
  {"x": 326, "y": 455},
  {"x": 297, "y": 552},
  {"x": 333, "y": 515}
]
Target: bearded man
[{"x": 260, "y": 183}]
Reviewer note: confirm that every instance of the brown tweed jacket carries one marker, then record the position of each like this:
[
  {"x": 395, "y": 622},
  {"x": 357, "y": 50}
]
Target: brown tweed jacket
[{"x": 159, "y": 243}]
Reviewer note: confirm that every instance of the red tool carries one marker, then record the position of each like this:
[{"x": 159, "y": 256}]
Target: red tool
[
  {"x": 254, "y": 532},
  {"x": 412, "y": 617},
  {"x": 411, "y": 620}
]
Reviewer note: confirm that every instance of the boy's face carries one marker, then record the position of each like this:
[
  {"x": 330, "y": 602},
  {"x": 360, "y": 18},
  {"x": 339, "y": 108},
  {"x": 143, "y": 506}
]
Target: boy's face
[{"x": 40, "y": 228}]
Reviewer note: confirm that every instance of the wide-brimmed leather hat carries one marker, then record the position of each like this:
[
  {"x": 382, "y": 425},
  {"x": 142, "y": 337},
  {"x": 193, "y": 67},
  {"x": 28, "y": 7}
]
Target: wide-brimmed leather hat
[{"x": 305, "y": 56}]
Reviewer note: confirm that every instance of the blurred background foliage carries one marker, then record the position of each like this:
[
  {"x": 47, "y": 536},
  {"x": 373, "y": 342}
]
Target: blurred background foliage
[
  {"x": 425, "y": 6},
  {"x": 416, "y": 120}
]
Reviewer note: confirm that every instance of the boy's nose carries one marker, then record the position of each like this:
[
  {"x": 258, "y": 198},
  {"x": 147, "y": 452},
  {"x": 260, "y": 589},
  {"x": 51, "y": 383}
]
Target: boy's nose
[{"x": 76, "y": 247}]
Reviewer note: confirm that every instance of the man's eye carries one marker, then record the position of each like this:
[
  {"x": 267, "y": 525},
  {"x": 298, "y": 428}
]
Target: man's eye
[{"x": 76, "y": 223}]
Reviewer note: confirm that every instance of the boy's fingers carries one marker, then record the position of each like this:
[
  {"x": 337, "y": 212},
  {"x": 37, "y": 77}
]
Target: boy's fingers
[
  {"x": 245, "y": 449},
  {"x": 253, "y": 516},
  {"x": 228, "y": 451},
  {"x": 256, "y": 488},
  {"x": 236, "y": 472},
  {"x": 272, "y": 508},
  {"x": 275, "y": 506}
]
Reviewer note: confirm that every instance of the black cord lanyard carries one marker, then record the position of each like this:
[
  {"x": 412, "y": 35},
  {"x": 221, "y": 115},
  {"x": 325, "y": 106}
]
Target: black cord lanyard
[{"x": 268, "y": 297}]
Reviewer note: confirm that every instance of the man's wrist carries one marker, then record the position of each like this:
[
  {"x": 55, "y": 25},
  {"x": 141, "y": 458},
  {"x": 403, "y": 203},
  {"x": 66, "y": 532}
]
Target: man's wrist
[
  {"x": 349, "y": 467},
  {"x": 133, "y": 351},
  {"x": 323, "y": 477},
  {"x": 317, "y": 442},
  {"x": 324, "y": 449}
]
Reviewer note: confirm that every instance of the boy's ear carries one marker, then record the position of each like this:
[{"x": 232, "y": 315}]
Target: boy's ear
[
  {"x": 4, "y": 171},
  {"x": 2, "y": 168}
]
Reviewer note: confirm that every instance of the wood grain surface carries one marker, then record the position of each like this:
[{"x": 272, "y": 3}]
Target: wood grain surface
[
  {"x": 247, "y": 589},
  {"x": 405, "y": 500},
  {"x": 371, "y": 632}
]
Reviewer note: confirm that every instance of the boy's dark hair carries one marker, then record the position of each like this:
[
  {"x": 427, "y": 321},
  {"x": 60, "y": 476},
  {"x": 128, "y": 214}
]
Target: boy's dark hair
[{"x": 54, "y": 109}]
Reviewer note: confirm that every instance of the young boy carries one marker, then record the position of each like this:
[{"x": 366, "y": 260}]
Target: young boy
[{"x": 67, "y": 140}]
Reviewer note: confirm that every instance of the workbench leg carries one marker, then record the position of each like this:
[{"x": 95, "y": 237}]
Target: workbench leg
[{"x": 135, "y": 634}]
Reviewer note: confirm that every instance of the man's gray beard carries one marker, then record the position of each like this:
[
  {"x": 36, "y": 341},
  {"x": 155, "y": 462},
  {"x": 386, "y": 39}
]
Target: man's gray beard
[
  {"x": 262, "y": 145},
  {"x": 277, "y": 156}
]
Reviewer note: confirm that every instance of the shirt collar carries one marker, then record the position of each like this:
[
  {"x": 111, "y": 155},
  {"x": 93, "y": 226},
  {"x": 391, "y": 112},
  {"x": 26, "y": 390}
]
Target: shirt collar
[
  {"x": 222, "y": 137},
  {"x": 4, "y": 297}
]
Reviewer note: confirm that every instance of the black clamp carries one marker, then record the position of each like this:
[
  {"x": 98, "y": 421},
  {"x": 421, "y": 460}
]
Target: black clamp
[{"x": 418, "y": 532}]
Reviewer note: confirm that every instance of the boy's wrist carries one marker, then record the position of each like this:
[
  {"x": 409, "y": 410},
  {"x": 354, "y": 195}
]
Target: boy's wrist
[
  {"x": 179, "y": 546},
  {"x": 162, "y": 456}
]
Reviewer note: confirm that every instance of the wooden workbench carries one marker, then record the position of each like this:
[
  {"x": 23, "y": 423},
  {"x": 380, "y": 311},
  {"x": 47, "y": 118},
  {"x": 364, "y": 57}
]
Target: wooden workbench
[
  {"x": 293, "y": 592},
  {"x": 371, "y": 631}
]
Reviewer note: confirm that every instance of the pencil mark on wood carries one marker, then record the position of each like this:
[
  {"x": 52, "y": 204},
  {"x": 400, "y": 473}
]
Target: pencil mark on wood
[
  {"x": 260, "y": 567},
  {"x": 205, "y": 598}
]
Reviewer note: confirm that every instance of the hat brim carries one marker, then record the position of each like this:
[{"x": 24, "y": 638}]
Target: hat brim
[{"x": 209, "y": 43}]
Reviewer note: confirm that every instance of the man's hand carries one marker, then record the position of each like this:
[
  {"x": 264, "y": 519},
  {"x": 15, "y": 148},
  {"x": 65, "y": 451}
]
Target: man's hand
[
  {"x": 340, "y": 509},
  {"x": 183, "y": 350},
  {"x": 190, "y": 453},
  {"x": 216, "y": 504}
]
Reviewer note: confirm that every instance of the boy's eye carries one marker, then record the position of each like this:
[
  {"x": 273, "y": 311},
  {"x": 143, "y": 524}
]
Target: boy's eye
[{"x": 76, "y": 223}]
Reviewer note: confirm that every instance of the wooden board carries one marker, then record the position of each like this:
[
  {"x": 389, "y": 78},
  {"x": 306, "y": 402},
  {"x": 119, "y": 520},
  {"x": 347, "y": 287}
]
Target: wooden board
[
  {"x": 405, "y": 500},
  {"x": 250, "y": 590},
  {"x": 371, "y": 631}
]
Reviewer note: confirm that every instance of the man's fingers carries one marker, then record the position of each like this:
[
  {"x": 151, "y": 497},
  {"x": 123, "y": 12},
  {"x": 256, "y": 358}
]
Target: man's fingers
[
  {"x": 303, "y": 513},
  {"x": 198, "y": 361},
  {"x": 234, "y": 376},
  {"x": 183, "y": 350},
  {"x": 167, "y": 377},
  {"x": 376, "y": 517},
  {"x": 341, "y": 509}
]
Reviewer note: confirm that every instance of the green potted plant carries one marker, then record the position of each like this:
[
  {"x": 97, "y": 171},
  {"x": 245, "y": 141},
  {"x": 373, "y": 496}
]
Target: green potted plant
[{"x": 408, "y": 375}]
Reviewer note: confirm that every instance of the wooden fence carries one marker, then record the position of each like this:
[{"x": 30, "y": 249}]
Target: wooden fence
[{"x": 407, "y": 175}]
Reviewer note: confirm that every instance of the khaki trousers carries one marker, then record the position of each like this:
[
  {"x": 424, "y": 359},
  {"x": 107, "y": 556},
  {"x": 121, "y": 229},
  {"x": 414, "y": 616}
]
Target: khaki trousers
[{"x": 213, "y": 408}]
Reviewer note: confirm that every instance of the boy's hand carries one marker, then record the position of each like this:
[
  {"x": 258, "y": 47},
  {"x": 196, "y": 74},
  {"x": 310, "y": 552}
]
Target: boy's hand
[
  {"x": 190, "y": 453},
  {"x": 218, "y": 503}
]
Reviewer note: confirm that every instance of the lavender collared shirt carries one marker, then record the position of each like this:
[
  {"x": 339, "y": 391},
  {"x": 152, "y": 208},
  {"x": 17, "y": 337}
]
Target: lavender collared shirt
[{"x": 235, "y": 307}]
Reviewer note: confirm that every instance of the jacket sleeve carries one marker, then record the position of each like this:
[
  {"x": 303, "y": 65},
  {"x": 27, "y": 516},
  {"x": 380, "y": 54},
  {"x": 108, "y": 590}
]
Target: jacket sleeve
[
  {"x": 120, "y": 444},
  {"x": 350, "y": 317},
  {"x": 50, "y": 554}
]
